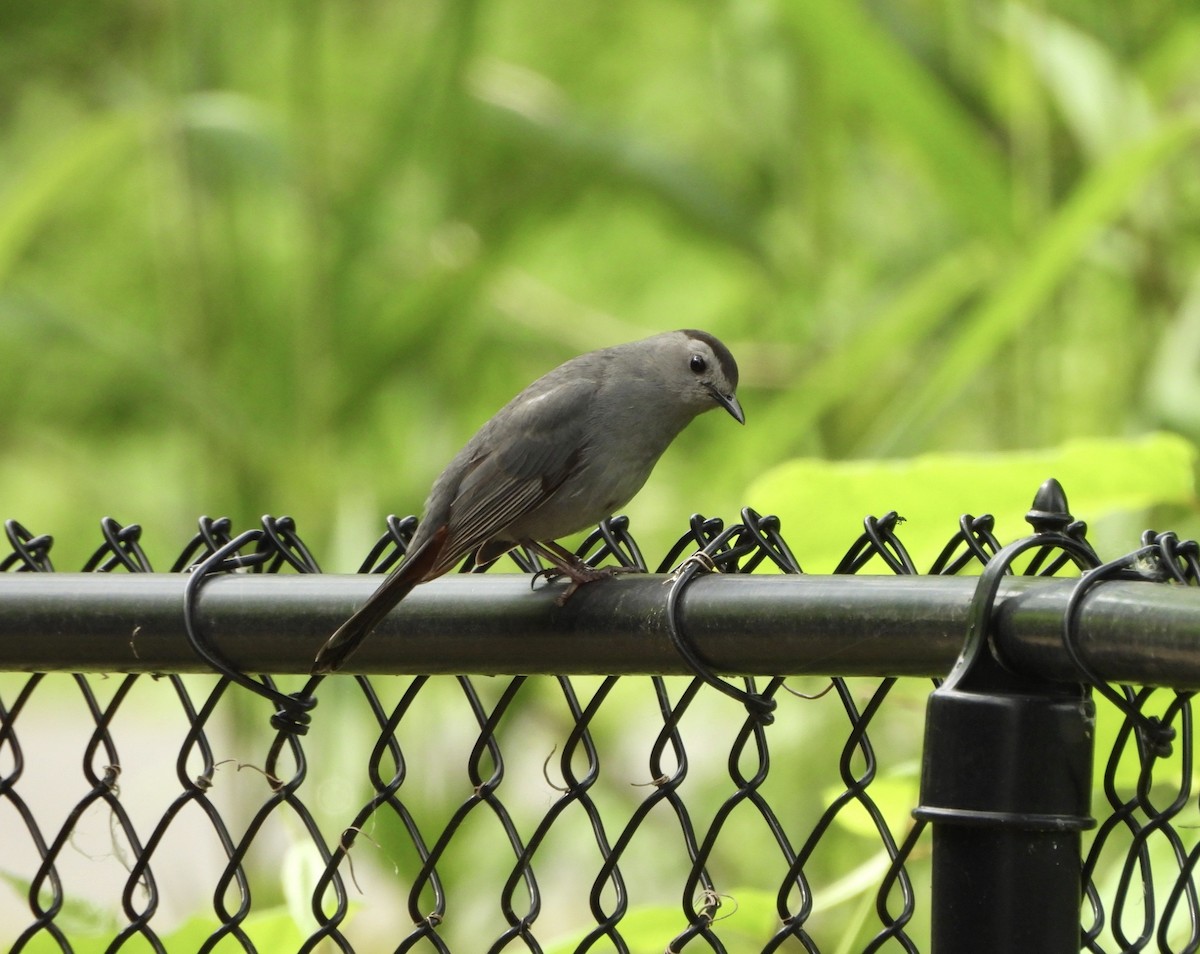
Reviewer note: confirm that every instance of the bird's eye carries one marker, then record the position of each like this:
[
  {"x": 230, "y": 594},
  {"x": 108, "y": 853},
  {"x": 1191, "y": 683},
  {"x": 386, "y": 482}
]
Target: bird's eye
[{"x": 698, "y": 364}]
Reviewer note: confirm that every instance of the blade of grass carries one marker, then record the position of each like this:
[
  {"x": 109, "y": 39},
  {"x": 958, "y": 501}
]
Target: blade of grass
[
  {"x": 914, "y": 314},
  {"x": 898, "y": 92},
  {"x": 1097, "y": 201},
  {"x": 613, "y": 155},
  {"x": 69, "y": 163}
]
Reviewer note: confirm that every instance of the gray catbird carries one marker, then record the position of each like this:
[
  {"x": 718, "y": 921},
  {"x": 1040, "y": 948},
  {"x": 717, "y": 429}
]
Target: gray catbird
[{"x": 562, "y": 455}]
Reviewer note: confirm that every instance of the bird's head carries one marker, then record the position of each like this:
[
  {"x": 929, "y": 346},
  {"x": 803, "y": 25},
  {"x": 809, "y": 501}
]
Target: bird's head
[{"x": 703, "y": 372}]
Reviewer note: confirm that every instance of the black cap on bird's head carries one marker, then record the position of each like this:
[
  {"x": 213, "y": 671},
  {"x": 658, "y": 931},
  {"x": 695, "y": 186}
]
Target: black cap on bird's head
[
  {"x": 727, "y": 371},
  {"x": 729, "y": 367}
]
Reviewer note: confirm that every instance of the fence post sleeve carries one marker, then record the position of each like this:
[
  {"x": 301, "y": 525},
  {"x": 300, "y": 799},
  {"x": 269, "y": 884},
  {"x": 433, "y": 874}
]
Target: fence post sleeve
[{"x": 1006, "y": 782}]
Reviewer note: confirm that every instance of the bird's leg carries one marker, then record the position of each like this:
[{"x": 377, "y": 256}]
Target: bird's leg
[{"x": 565, "y": 563}]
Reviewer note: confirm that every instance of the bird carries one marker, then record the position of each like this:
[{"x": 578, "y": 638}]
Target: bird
[{"x": 574, "y": 446}]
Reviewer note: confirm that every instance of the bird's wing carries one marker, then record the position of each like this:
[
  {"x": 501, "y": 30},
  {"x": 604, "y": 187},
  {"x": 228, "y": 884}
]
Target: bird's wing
[{"x": 517, "y": 462}]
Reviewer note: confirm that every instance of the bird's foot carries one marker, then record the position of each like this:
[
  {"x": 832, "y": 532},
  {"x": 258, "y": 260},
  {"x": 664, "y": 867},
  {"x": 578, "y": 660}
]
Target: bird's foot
[
  {"x": 567, "y": 564},
  {"x": 591, "y": 575}
]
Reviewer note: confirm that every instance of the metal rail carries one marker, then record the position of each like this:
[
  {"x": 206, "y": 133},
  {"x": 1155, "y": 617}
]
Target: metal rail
[{"x": 1136, "y": 632}]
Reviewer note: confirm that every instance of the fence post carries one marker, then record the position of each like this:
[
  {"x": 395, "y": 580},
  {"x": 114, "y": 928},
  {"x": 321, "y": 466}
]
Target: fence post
[{"x": 1006, "y": 783}]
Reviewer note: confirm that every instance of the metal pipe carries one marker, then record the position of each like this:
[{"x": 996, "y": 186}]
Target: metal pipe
[
  {"x": 1006, "y": 783},
  {"x": 492, "y": 623}
]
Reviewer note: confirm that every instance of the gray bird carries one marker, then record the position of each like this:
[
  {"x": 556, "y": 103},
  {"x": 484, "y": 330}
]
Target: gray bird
[{"x": 559, "y": 457}]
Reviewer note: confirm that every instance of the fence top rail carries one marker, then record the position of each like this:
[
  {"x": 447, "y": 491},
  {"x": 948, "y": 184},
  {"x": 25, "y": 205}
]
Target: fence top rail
[{"x": 1135, "y": 632}]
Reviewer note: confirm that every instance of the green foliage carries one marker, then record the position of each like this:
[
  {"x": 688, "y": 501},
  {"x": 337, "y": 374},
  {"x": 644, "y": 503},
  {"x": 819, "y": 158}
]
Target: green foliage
[
  {"x": 91, "y": 930},
  {"x": 823, "y": 500},
  {"x": 286, "y": 257},
  {"x": 747, "y": 917},
  {"x": 271, "y": 930},
  {"x": 249, "y": 269}
]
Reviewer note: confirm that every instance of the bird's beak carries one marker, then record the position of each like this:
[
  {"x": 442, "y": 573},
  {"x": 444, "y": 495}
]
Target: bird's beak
[{"x": 730, "y": 403}]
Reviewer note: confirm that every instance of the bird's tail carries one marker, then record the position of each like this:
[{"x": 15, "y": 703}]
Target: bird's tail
[{"x": 415, "y": 569}]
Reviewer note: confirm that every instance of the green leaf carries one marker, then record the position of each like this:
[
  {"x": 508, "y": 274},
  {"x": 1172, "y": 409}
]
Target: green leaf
[
  {"x": 1104, "y": 104},
  {"x": 90, "y": 930},
  {"x": 77, "y": 919},
  {"x": 822, "y": 503},
  {"x": 646, "y": 930},
  {"x": 745, "y": 915}
]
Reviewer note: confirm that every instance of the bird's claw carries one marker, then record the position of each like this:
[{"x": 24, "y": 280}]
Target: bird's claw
[
  {"x": 547, "y": 573},
  {"x": 591, "y": 575},
  {"x": 579, "y": 575}
]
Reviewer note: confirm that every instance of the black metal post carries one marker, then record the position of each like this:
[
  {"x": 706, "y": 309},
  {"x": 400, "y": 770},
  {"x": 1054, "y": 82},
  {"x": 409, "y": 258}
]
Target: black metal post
[{"x": 1006, "y": 784}]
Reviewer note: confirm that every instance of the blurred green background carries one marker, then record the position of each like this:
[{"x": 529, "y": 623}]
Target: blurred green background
[{"x": 285, "y": 257}]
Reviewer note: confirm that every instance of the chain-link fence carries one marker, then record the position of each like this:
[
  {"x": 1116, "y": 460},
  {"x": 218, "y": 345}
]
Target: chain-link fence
[{"x": 679, "y": 803}]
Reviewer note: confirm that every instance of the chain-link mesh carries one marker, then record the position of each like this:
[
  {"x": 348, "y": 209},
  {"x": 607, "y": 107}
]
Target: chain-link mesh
[{"x": 555, "y": 814}]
